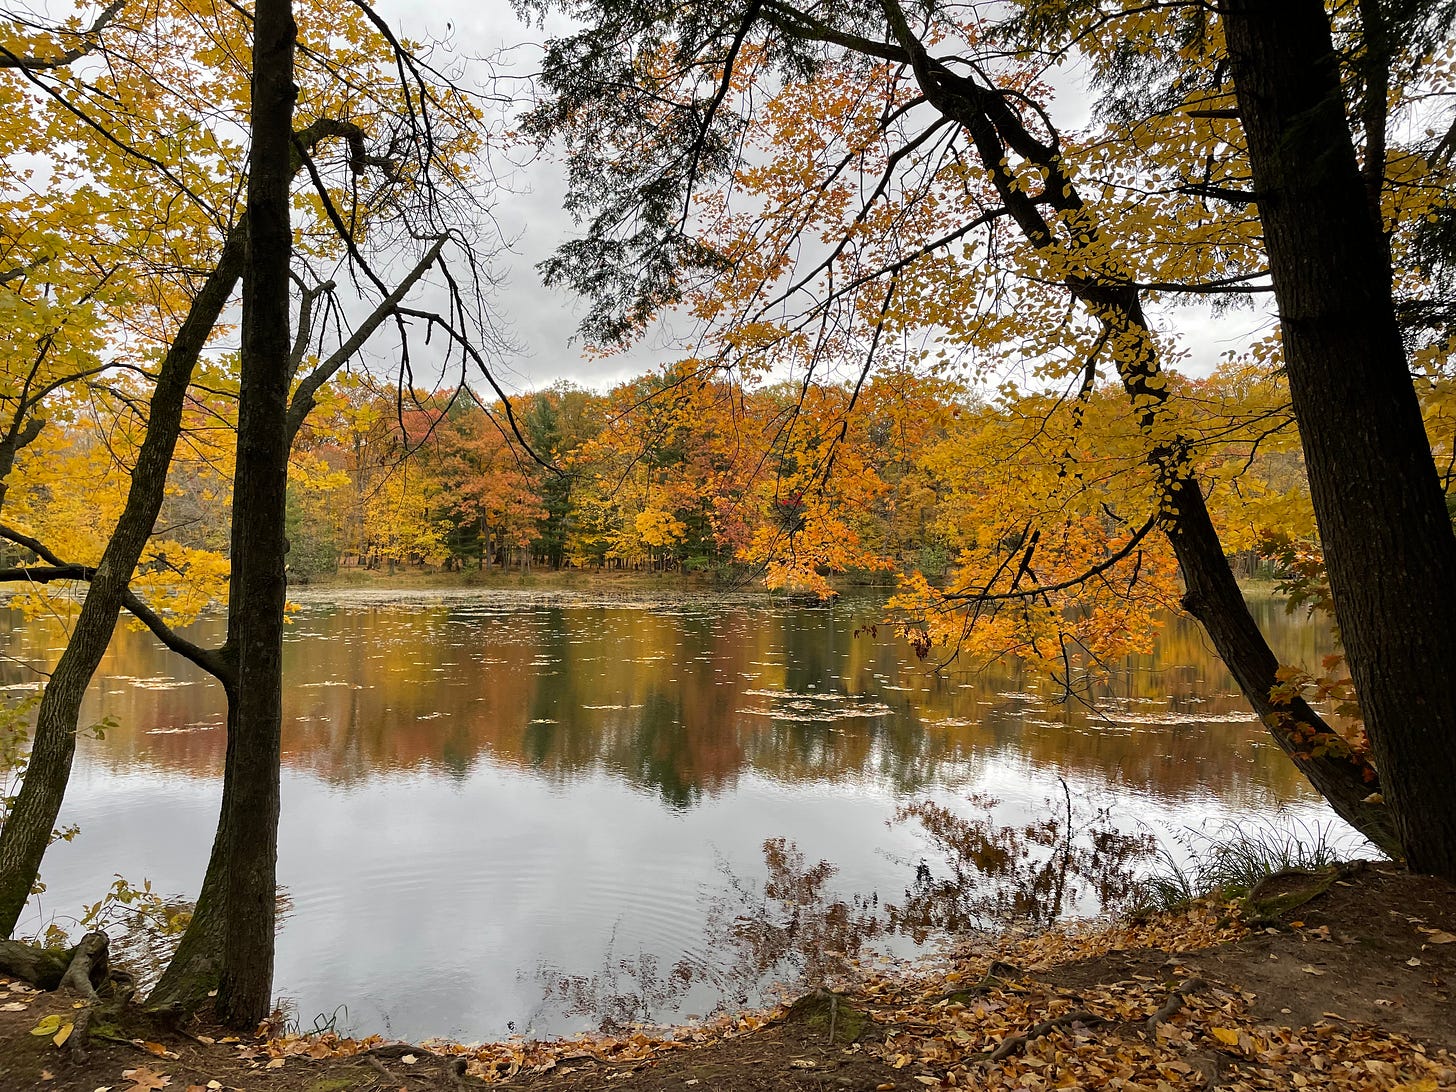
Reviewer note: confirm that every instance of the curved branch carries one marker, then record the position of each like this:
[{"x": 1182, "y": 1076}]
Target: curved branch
[{"x": 210, "y": 660}]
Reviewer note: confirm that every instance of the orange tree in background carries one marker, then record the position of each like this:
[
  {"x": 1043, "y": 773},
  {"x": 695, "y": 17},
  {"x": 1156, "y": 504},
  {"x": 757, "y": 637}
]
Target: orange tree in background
[{"x": 869, "y": 181}]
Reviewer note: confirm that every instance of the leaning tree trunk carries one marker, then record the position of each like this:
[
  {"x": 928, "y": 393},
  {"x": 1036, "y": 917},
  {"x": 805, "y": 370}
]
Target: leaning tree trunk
[
  {"x": 195, "y": 968},
  {"x": 1388, "y": 542},
  {"x": 258, "y": 542},
  {"x": 27, "y": 830},
  {"x": 1213, "y": 595}
]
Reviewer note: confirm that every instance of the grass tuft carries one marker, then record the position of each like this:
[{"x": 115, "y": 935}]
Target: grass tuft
[{"x": 1227, "y": 861}]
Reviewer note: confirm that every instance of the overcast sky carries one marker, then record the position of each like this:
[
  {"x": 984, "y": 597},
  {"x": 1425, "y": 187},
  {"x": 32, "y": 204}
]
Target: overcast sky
[{"x": 544, "y": 321}]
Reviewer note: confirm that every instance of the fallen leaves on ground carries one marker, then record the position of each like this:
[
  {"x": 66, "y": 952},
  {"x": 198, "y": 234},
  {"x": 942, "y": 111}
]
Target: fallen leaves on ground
[
  {"x": 1122, "y": 1006},
  {"x": 1098, "y": 1037},
  {"x": 145, "y": 1079}
]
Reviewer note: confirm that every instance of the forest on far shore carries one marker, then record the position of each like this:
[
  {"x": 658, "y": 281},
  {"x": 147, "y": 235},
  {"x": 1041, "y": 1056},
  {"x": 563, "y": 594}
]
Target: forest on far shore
[{"x": 676, "y": 470}]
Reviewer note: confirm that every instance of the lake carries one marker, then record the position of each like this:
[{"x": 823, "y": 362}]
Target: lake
[{"x": 522, "y": 811}]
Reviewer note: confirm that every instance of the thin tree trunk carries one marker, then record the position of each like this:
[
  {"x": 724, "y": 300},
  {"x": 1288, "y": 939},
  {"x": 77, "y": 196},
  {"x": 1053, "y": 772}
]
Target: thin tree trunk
[
  {"x": 1388, "y": 542},
  {"x": 250, "y": 827},
  {"x": 27, "y": 831},
  {"x": 196, "y": 966}
]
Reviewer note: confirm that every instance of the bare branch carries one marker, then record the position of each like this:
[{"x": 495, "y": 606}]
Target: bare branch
[
  {"x": 210, "y": 660},
  {"x": 303, "y": 398}
]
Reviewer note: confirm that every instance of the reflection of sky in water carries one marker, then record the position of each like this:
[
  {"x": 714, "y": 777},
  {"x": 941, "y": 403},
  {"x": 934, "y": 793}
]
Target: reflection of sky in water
[{"x": 478, "y": 786}]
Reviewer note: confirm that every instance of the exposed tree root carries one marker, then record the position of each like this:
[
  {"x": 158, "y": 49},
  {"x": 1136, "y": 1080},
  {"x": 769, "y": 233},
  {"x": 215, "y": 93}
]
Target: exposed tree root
[
  {"x": 1010, "y": 1046},
  {"x": 43, "y": 968},
  {"x": 1175, "y": 1002},
  {"x": 1288, "y": 889},
  {"x": 998, "y": 976},
  {"x": 89, "y": 965},
  {"x": 84, "y": 971}
]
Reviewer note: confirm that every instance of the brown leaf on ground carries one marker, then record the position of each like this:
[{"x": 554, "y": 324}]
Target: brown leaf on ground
[{"x": 145, "y": 1079}]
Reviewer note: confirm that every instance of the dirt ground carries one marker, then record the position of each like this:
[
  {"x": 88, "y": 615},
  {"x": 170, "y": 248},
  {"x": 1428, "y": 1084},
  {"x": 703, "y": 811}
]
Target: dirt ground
[{"x": 1350, "y": 988}]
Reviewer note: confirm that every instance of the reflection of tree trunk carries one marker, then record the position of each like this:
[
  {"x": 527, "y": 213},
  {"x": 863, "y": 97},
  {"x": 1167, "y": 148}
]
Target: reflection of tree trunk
[
  {"x": 1388, "y": 542},
  {"x": 249, "y": 830},
  {"x": 27, "y": 830}
]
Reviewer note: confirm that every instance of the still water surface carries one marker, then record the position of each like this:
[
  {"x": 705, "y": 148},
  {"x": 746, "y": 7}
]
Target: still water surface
[{"x": 516, "y": 811}]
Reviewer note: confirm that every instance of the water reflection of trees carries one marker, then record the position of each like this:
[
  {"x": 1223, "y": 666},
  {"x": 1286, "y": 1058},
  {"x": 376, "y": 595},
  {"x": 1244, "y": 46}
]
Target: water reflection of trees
[
  {"x": 992, "y": 874},
  {"x": 790, "y": 929},
  {"x": 656, "y": 697}
]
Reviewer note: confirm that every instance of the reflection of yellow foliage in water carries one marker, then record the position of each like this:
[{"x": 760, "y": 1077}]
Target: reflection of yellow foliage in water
[{"x": 661, "y": 697}]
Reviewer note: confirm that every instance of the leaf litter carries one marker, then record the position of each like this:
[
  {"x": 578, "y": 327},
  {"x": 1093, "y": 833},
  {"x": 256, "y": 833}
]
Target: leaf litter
[{"x": 1201, "y": 998}]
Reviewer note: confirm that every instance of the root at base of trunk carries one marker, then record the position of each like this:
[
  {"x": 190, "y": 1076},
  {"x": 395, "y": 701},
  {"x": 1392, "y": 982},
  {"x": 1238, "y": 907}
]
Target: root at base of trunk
[{"x": 84, "y": 971}]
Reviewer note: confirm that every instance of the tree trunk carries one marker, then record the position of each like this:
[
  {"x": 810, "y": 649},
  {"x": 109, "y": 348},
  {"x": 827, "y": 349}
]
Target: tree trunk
[
  {"x": 196, "y": 966},
  {"x": 1212, "y": 593},
  {"x": 1214, "y": 597},
  {"x": 27, "y": 831},
  {"x": 259, "y": 546},
  {"x": 1388, "y": 543}
]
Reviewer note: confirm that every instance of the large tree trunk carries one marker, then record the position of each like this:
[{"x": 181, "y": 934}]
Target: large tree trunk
[
  {"x": 250, "y": 827},
  {"x": 27, "y": 831},
  {"x": 1388, "y": 543},
  {"x": 196, "y": 967}
]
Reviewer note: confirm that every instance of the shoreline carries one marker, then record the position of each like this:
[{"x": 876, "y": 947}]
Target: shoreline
[{"x": 1337, "y": 979}]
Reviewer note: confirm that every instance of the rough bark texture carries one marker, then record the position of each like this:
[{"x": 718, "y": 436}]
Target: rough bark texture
[
  {"x": 28, "y": 829},
  {"x": 196, "y": 966},
  {"x": 259, "y": 546},
  {"x": 1388, "y": 543},
  {"x": 1213, "y": 596}
]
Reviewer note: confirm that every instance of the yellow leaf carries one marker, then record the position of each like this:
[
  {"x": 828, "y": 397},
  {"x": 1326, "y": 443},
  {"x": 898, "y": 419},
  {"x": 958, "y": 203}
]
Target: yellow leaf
[
  {"x": 48, "y": 1025},
  {"x": 65, "y": 1033},
  {"x": 1226, "y": 1036}
]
